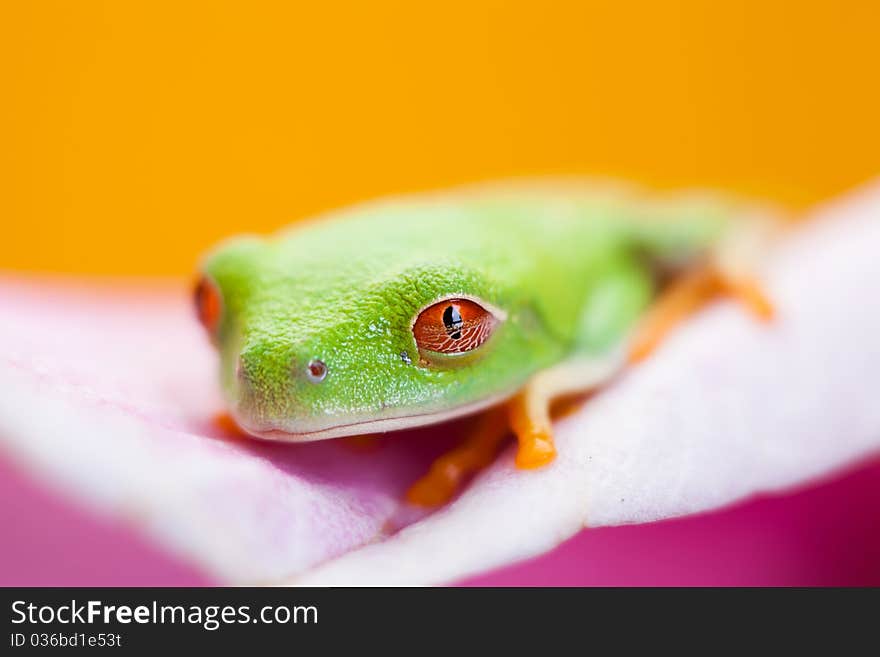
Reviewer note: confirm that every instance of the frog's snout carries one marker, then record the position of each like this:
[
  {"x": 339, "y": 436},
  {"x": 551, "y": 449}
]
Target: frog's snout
[
  {"x": 257, "y": 368},
  {"x": 277, "y": 390},
  {"x": 267, "y": 371},
  {"x": 245, "y": 374}
]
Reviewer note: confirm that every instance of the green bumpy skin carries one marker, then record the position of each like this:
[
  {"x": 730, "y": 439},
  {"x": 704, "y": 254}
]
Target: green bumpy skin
[{"x": 567, "y": 271}]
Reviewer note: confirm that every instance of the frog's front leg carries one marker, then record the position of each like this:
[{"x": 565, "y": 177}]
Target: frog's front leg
[
  {"x": 527, "y": 415},
  {"x": 448, "y": 472},
  {"x": 529, "y": 411}
]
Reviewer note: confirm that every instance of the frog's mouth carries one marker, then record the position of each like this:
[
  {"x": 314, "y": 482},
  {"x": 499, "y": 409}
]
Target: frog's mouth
[{"x": 302, "y": 431}]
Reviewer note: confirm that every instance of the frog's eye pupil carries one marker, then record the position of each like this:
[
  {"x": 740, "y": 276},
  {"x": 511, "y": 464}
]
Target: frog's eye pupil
[
  {"x": 453, "y": 326},
  {"x": 452, "y": 321}
]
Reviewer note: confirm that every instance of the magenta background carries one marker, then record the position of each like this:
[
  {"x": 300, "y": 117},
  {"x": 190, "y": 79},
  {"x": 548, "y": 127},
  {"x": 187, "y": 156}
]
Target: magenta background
[{"x": 827, "y": 534}]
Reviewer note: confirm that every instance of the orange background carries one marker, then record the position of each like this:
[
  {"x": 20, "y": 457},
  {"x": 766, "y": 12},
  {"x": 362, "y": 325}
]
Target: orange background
[{"x": 135, "y": 134}]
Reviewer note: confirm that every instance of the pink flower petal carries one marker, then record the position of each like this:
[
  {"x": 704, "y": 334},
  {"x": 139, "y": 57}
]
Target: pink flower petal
[
  {"x": 108, "y": 394},
  {"x": 109, "y": 390}
]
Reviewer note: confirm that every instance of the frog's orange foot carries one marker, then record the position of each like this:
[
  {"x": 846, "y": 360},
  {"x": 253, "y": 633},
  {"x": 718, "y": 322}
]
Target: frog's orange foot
[
  {"x": 225, "y": 422},
  {"x": 529, "y": 414},
  {"x": 750, "y": 294},
  {"x": 437, "y": 487},
  {"x": 535, "y": 450}
]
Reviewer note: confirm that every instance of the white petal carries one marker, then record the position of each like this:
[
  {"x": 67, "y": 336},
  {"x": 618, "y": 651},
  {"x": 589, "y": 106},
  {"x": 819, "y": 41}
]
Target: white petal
[{"x": 108, "y": 391}]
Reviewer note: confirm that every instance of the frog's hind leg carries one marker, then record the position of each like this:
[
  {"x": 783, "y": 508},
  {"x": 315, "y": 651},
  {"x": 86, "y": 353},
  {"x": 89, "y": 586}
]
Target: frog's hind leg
[
  {"x": 686, "y": 296},
  {"x": 728, "y": 273}
]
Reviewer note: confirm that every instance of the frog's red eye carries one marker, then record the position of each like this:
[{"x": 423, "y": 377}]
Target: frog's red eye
[
  {"x": 208, "y": 304},
  {"x": 453, "y": 326}
]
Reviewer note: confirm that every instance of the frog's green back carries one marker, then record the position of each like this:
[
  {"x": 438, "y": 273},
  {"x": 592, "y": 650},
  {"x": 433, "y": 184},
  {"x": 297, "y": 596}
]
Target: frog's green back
[{"x": 345, "y": 290}]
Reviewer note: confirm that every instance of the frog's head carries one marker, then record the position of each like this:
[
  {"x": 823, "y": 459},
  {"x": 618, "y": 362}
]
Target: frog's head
[{"x": 316, "y": 345}]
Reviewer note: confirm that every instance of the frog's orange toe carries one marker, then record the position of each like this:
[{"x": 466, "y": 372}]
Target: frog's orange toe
[
  {"x": 535, "y": 451},
  {"x": 435, "y": 488},
  {"x": 750, "y": 294},
  {"x": 225, "y": 422}
]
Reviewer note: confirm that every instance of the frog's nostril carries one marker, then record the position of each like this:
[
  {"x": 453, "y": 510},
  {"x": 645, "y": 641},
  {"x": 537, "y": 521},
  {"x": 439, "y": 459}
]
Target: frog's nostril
[{"x": 316, "y": 370}]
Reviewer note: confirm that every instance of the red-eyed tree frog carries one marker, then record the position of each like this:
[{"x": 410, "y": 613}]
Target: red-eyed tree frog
[{"x": 495, "y": 300}]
